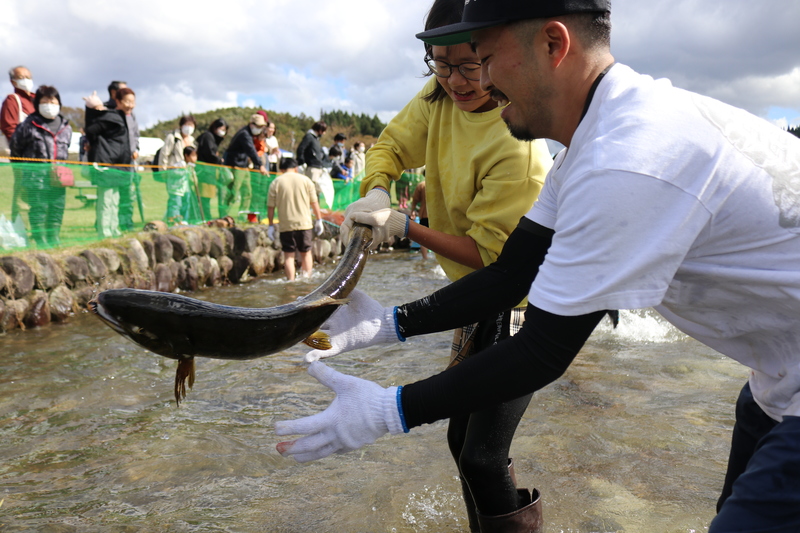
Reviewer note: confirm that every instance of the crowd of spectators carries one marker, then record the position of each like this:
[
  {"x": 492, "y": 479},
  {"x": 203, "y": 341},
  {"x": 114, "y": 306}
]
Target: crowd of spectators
[{"x": 37, "y": 131}]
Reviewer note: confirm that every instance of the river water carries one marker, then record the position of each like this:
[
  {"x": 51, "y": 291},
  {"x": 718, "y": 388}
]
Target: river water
[{"x": 633, "y": 438}]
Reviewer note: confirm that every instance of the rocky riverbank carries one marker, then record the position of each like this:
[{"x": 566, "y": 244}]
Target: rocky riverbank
[{"x": 40, "y": 287}]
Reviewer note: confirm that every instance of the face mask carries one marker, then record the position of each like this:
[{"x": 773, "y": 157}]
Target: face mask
[
  {"x": 362, "y": 149},
  {"x": 187, "y": 130},
  {"x": 25, "y": 84},
  {"x": 221, "y": 133},
  {"x": 49, "y": 111},
  {"x": 255, "y": 130}
]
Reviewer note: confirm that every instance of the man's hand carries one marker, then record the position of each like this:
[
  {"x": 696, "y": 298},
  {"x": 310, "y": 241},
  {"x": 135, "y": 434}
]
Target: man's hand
[
  {"x": 93, "y": 101},
  {"x": 263, "y": 169},
  {"x": 319, "y": 228},
  {"x": 271, "y": 232},
  {"x": 386, "y": 223},
  {"x": 361, "y": 323},
  {"x": 362, "y": 412},
  {"x": 375, "y": 200}
]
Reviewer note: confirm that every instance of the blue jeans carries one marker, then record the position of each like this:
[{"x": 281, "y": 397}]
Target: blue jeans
[{"x": 762, "y": 485}]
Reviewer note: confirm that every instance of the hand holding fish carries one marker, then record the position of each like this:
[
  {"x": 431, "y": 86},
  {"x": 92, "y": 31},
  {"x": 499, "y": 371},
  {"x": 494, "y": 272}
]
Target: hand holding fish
[
  {"x": 375, "y": 200},
  {"x": 361, "y": 323},
  {"x": 362, "y": 412},
  {"x": 386, "y": 223}
]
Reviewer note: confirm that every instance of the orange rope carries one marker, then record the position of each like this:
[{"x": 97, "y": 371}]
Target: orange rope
[{"x": 22, "y": 159}]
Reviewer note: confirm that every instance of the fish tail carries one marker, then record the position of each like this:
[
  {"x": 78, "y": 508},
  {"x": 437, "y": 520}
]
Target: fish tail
[
  {"x": 185, "y": 373},
  {"x": 319, "y": 340}
]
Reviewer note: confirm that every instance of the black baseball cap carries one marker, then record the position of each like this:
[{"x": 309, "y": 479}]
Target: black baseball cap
[{"x": 480, "y": 14}]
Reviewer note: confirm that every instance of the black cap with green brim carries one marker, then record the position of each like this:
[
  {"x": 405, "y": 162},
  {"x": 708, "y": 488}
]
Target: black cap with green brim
[{"x": 481, "y": 14}]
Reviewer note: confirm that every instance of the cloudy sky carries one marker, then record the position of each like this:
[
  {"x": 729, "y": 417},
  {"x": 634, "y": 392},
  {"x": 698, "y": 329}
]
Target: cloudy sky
[{"x": 361, "y": 55}]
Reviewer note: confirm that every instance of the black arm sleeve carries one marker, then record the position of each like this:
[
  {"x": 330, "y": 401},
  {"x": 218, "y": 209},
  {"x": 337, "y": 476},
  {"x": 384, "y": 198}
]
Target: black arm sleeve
[
  {"x": 536, "y": 356},
  {"x": 490, "y": 290}
]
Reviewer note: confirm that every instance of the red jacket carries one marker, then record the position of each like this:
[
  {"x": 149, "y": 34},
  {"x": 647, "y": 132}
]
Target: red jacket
[{"x": 9, "y": 114}]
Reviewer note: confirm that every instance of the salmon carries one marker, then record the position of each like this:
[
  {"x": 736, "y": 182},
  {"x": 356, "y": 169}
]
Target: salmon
[{"x": 182, "y": 328}]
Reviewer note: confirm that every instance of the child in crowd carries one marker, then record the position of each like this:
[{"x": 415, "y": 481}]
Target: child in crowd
[{"x": 181, "y": 183}]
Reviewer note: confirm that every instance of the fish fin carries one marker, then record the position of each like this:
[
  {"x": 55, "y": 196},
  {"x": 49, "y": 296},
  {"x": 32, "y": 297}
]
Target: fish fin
[
  {"x": 326, "y": 300},
  {"x": 319, "y": 340},
  {"x": 185, "y": 373}
]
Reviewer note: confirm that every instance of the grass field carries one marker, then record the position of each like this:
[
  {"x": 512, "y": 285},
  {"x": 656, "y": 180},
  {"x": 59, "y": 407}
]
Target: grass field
[{"x": 78, "y": 225}]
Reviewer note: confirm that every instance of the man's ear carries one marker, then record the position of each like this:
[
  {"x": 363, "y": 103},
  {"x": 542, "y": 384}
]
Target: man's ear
[{"x": 558, "y": 41}]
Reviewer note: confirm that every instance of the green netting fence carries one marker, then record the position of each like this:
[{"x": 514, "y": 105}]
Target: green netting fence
[{"x": 98, "y": 202}]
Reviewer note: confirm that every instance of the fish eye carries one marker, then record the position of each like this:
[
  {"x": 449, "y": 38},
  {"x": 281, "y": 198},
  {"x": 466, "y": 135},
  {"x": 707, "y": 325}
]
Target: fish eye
[{"x": 144, "y": 333}]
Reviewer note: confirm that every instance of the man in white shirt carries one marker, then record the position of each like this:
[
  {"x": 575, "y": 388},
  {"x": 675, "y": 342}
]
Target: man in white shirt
[{"x": 662, "y": 198}]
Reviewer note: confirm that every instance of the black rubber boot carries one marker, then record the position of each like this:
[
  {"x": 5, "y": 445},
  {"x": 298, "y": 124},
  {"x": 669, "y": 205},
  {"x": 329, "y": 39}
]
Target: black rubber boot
[
  {"x": 526, "y": 519},
  {"x": 472, "y": 512}
]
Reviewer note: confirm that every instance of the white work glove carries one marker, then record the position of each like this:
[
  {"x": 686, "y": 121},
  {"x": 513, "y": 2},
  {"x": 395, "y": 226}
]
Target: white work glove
[
  {"x": 374, "y": 200},
  {"x": 93, "y": 101},
  {"x": 319, "y": 228},
  {"x": 362, "y": 412},
  {"x": 362, "y": 322},
  {"x": 386, "y": 223},
  {"x": 271, "y": 233}
]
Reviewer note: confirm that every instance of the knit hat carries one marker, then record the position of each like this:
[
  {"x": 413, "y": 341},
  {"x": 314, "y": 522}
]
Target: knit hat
[{"x": 258, "y": 119}]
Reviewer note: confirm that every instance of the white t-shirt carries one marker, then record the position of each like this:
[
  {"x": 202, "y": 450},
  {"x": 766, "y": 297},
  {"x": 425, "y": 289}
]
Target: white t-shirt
[
  {"x": 271, "y": 143},
  {"x": 672, "y": 200}
]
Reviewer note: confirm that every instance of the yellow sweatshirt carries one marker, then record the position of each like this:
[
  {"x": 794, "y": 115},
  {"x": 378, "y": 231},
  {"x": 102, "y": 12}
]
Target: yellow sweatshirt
[{"x": 480, "y": 180}]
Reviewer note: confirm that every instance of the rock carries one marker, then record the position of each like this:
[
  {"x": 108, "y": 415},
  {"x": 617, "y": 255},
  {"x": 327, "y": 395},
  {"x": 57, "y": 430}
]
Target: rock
[
  {"x": 216, "y": 247},
  {"x": 75, "y": 269},
  {"x": 239, "y": 241},
  {"x": 240, "y": 267},
  {"x": 225, "y": 265},
  {"x": 193, "y": 240},
  {"x": 190, "y": 280},
  {"x": 258, "y": 262},
  {"x": 250, "y": 239},
  {"x": 62, "y": 304},
  {"x": 97, "y": 267},
  {"x": 229, "y": 241},
  {"x": 179, "y": 247},
  {"x": 143, "y": 280},
  {"x": 150, "y": 252},
  {"x": 138, "y": 257},
  {"x": 83, "y": 296},
  {"x": 110, "y": 258},
  {"x": 162, "y": 248},
  {"x": 4, "y": 280},
  {"x": 178, "y": 273},
  {"x": 204, "y": 270},
  {"x": 15, "y": 313},
  {"x": 39, "y": 312},
  {"x": 214, "y": 273},
  {"x": 48, "y": 273},
  {"x": 21, "y": 276},
  {"x": 164, "y": 280},
  {"x": 2, "y": 315},
  {"x": 156, "y": 225}
]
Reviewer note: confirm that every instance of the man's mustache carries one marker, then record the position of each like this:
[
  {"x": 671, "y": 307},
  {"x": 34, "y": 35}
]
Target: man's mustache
[{"x": 497, "y": 95}]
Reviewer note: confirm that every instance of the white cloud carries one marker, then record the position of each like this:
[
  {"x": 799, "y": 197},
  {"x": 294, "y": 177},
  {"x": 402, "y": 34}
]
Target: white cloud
[{"x": 361, "y": 56}]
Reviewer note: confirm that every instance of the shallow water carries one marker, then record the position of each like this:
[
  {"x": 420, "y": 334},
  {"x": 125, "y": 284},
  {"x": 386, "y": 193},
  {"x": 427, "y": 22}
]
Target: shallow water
[{"x": 634, "y": 437}]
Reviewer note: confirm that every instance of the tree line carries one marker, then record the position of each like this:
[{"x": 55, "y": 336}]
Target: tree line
[{"x": 289, "y": 129}]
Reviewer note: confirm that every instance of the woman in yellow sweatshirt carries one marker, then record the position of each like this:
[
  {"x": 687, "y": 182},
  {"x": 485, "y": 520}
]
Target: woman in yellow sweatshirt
[{"x": 480, "y": 182}]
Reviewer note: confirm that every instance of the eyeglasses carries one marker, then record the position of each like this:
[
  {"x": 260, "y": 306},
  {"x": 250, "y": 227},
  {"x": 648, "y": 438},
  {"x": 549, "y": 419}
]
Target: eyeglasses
[{"x": 471, "y": 70}]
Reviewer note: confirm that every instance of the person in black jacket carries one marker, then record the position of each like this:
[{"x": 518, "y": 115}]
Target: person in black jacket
[
  {"x": 45, "y": 134},
  {"x": 310, "y": 153},
  {"x": 240, "y": 150},
  {"x": 208, "y": 177},
  {"x": 109, "y": 143}
]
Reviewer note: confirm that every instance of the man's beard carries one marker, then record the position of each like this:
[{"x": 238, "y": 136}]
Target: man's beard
[{"x": 520, "y": 132}]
